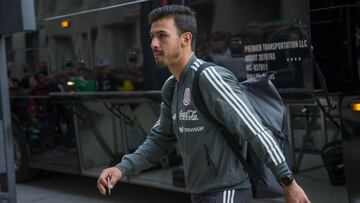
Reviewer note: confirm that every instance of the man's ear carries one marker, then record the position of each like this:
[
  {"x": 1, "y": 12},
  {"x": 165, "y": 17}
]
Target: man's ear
[{"x": 186, "y": 39}]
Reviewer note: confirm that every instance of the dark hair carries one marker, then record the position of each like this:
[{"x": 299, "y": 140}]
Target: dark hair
[{"x": 183, "y": 16}]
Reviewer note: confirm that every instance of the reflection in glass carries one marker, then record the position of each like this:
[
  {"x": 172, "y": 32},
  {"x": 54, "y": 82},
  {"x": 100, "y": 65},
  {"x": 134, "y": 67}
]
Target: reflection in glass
[{"x": 253, "y": 37}]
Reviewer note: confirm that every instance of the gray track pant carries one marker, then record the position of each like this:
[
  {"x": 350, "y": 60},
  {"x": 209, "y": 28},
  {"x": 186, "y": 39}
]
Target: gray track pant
[{"x": 228, "y": 196}]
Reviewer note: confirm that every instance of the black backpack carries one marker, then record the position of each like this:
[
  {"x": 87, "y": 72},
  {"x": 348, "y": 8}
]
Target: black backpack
[{"x": 269, "y": 106}]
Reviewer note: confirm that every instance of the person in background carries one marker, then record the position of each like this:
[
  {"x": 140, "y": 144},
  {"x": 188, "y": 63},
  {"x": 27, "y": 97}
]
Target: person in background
[
  {"x": 24, "y": 82},
  {"x": 103, "y": 71},
  {"x": 120, "y": 80},
  {"x": 55, "y": 83},
  {"x": 39, "y": 84},
  {"x": 135, "y": 60},
  {"x": 220, "y": 46},
  {"x": 84, "y": 81},
  {"x": 33, "y": 85},
  {"x": 15, "y": 87}
]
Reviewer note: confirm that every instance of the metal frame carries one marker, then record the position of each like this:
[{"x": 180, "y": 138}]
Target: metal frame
[
  {"x": 76, "y": 103},
  {"x": 157, "y": 178},
  {"x": 311, "y": 121},
  {"x": 10, "y": 194}
]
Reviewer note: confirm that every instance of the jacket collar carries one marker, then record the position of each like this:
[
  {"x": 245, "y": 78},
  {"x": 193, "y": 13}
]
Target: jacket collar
[{"x": 186, "y": 70}]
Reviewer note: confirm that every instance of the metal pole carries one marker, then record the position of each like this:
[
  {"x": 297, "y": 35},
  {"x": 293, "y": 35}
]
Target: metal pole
[
  {"x": 94, "y": 10},
  {"x": 6, "y": 118},
  {"x": 77, "y": 137},
  {"x": 323, "y": 125},
  {"x": 123, "y": 132},
  {"x": 292, "y": 152}
]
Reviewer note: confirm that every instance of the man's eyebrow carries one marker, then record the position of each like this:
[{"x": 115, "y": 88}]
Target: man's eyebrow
[{"x": 158, "y": 32}]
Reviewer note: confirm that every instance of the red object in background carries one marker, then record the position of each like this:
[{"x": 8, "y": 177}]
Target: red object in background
[
  {"x": 43, "y": 66},
  {"x": 39, "y": 92},
  {"x": 31, "y": 109},
  {"x": 164, "y": 2}
]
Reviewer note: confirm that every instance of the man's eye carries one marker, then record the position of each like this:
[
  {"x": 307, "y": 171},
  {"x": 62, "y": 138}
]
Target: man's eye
[{"x": 161, "y": 36}]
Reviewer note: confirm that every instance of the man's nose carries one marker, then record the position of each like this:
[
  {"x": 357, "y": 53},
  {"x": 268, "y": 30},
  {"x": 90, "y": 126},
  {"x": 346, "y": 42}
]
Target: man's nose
[{"x": 154, "y": 43}]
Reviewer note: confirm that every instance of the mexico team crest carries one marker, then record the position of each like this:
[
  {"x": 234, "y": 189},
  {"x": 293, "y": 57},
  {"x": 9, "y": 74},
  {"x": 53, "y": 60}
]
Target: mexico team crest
[{"x": 187, "y": 97}]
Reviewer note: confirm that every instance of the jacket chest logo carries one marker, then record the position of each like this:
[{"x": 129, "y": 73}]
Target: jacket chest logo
[
  {"x": 187, "y": 97},
  {"x": 189, "y": 115}
]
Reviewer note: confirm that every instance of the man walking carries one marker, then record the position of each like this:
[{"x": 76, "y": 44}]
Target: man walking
[{"x": 212, "y": 172}]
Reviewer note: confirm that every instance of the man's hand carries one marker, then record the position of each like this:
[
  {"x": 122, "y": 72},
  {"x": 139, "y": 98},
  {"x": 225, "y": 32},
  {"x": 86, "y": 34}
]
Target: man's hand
[
  {"x": 295, "y": 194},
  {"x": 108, "y": 179}
]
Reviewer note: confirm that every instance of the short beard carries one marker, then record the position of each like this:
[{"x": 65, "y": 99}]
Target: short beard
[
  {"x": 176, "y": 54},
  {"x": 173, "y": 55}
]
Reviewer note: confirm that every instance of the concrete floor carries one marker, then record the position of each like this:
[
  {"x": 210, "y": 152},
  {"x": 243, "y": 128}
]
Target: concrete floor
[{"x": 61, "y": 188}]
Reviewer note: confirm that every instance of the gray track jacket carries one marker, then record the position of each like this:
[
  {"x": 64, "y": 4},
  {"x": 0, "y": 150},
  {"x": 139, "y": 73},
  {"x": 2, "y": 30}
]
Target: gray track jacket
[{"x": 209, "y": 163}]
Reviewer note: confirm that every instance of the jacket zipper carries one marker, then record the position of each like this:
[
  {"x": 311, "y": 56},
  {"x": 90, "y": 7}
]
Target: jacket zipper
[
  {"x": 177, "y": 121},
  {"x": 177, "y": 108},
  {"x": 181, "y": 141}
]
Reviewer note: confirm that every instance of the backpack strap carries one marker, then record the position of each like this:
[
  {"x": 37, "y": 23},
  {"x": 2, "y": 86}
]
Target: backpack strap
[
  {"x": 230, "y": 138},
  {"x": 197, "y": 96}
]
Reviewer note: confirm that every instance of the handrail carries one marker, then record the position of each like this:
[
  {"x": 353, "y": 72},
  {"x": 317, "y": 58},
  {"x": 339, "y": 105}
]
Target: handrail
[
  {"x": 92, "y": 95},
  {"x": 113, "y": 96},
  {"x": 29, "y": 97}
]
